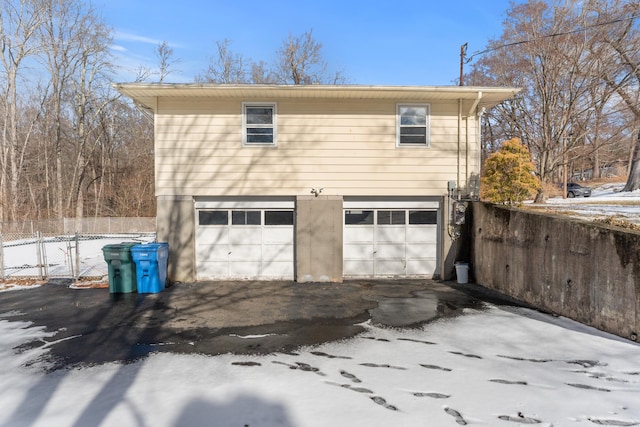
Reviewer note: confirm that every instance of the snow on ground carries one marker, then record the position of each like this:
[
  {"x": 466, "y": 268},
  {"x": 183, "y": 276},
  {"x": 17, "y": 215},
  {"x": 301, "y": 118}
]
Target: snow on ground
[
  {"x": 492, "y": 367},
  {"x": 605, "y": 200}
]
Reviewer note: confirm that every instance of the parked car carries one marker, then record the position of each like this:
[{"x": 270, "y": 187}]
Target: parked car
[{"x": 577, "y": 190}]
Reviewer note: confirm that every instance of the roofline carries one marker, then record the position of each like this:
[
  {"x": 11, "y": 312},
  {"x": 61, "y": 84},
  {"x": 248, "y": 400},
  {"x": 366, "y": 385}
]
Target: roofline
[{"x": 143, "y": 93}]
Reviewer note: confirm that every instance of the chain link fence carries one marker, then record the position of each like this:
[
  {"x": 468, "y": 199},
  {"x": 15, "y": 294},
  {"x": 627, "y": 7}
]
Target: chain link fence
[{"x": 36, "y": 255}]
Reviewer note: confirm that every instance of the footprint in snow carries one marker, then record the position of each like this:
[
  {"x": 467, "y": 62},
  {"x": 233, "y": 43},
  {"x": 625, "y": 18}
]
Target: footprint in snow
[
  {"x": 455, "y": 414},
  {"x": 376, "y": 339},
  {"x": 420, "y": 341},
  {"x": 432, "y": 395},
  {"x": 330, "y": 356},
  {"x": 519, "y": 419},
  {"x": 350, "y": 376},
  {"x": 586, "y": 363},
  {"x": 508, "y": 382},
  {"x": 475, "y": 356},
  {"x": 350, "y": 387},
  {"x": 358, "y": 389},
  {"x": 246, "y": 364},
  {"x": 522, "y": 359},
  {"x": 588, "y": 387},
  {"x": 435, "y": 367},
  {"x": 301, "y": 366},
  {"x": 382, "y": 402},
  {"x": 604, "y": 422},
  {"x": 376, "y": 365}
]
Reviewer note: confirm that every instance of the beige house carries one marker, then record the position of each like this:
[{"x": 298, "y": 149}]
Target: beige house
[{"x": 312, "y": 183}]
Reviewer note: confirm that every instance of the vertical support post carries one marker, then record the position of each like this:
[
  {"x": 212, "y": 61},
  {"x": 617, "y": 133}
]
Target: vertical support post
[
  {"x": 40, "y": 254},
  {"x": 77, "y": 275},
  {"x": 1, "y": 258}
]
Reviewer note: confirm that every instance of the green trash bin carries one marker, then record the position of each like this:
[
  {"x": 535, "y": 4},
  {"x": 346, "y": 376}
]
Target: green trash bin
[{"x": 122, "y": 269}]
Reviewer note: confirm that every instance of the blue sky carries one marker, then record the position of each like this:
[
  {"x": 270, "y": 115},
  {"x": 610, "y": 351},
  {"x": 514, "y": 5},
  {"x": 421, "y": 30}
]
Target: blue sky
[{"x": 375, "y": 43}]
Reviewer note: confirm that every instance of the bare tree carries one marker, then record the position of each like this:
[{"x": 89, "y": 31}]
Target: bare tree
[
  {"x": 19, "y": 21},
  {"x": 226, "y": 67},
  {"x": 300, "y": 61},
  {"x": 166, "y": 61},
  {"x": 619, "y": 47},
  {"x": 553, "y": 73},
  {"x": 567, "y": 111}
]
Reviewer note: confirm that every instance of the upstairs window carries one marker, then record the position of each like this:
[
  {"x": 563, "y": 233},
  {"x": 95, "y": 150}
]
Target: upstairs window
[
  {"x": 259, "y": 124},
  {"x": 413, "y": 125}
]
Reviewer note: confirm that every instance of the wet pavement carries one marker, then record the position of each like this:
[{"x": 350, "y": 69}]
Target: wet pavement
[{"x": 94, "y": 326}]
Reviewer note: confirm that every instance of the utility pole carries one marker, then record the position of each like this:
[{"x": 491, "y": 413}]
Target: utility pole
[{"x": 463, "y": 53}]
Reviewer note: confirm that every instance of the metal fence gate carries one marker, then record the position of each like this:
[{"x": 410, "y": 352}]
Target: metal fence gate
[{"x": 35, "y": 255}]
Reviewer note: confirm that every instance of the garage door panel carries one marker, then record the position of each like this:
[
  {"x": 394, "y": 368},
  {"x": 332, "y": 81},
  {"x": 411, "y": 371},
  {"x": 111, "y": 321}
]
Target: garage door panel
[
  {"x": 211, "y": 235},
  {"x": 239, "y": 235},
  {"x": 212, "y": 252},
  {"x": 277, "y": 253},
  {"x": 359, "y": 233},
  {"x": 423, "y": 267},
  {"x": 389, "y": 250},
  {"x": 427, "y": 234},
  {"x": 245, "y": 269},
  {"x": 276, "y": 270},
  {"x": 391, "y": 234},
  {"x": 358, "y": 267},
  {"x": 421, "y": 251},
  {"x": 277, "y": 235},
  {"x": 390, "y": 267},
  {"x": 359, "y": 251},
  {"x": 245, "y": 252},
  {"x": 213, "y": 270}
]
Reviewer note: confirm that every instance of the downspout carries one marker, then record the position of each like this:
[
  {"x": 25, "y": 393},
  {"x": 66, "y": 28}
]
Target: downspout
[
  {"x": 459, "y": 144},
  {"x": 467, "y": 139}
]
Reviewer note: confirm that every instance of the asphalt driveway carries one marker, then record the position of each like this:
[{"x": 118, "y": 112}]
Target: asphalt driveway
[{"x": 94, "y": 326}]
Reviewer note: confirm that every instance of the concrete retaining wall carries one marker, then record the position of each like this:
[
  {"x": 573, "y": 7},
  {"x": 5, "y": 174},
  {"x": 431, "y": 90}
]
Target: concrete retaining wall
[{"x": 578, "y": 269}]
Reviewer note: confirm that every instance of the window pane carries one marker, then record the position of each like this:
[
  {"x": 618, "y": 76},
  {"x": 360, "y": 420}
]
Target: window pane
[
  {"x": 397, "y": 217},
  {"x": 238, "y": 218},
  {"x": 213, "y": 217},
  {"x": 391, "y": 217},
  {"x": 358, "y": 217},
  {"x": 384, "y": 217},
  {"x": 278, "y": 217},
  {"x": 259, "y": 115},
  {"x": 260, "y": 135},
  {"x": 423, "y": 217},
  {"x": 413, "y": 135},
  {"x": 413, "y": 116},
  {"x": 254, "y": 218},
  {"x": 245, "y": 218}
]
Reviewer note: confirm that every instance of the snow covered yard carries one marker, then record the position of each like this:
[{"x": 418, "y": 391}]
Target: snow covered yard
[
  {"x": 496, "y": 366},
  {"x": 606, "y": 201}
]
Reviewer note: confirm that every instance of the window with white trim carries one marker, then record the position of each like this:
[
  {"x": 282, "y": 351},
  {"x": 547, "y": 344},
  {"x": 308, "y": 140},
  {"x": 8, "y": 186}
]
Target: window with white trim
[
  {"x": 259, "y": 124},
  {"x": 412, "y": 125}
]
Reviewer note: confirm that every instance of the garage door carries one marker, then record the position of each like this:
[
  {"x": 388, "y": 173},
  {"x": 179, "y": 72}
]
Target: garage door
[
  {"x": 248, "y": 243},
  {"x": 390, "y": 241}
]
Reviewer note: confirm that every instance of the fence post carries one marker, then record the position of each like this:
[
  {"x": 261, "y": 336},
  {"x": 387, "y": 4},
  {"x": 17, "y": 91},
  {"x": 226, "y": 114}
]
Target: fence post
[
  {"x": 77, "y": 275},
  {"x": 39, "y": 251}
]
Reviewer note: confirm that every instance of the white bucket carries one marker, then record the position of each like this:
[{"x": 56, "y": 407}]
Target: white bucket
[{"x": 462, "y": 272}]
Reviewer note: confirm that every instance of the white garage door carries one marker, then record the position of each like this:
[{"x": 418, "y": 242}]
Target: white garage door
[
  {"x": 245, "y": 244},
  {"x": 390, "y": 242}
]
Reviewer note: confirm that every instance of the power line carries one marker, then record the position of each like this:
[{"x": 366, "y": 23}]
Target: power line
[{"x": 601, "y": 24}]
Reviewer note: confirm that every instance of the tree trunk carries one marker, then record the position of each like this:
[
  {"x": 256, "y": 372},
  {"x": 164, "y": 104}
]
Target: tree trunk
[{"x": 633, "y": 180}]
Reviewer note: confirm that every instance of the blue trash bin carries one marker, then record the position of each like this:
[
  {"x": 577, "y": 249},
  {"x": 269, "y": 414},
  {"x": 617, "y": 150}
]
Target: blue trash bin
[{"x": 151, "y": 266}]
